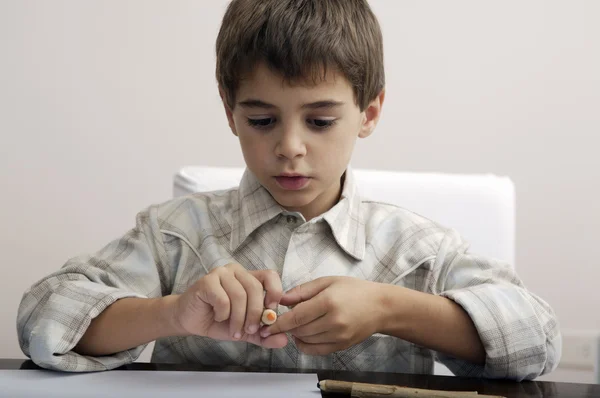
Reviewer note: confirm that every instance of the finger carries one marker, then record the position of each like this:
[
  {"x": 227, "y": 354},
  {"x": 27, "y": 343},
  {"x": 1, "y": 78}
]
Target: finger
[
  {"x": 272, "y": 342},
  {"x": 316, "y": 349},
  {"x": 306, "y": 291},
  {"x": 320, "y": 338},
  {"x": 272, "y": 285},
  {"x": 275, "y": 341},
  {"x": 212, "y": 292},
  {"x": 318, "y": 326},
  {"x": 254, "y": 304},
  {"x": 238, "y": 299},
  {"x": 301, "y": 315}
]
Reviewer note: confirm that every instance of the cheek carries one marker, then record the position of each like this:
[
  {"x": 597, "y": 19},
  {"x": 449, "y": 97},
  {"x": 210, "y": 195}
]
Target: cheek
[
  {"x": 255, "y": 150},
  {"x": 333, "y": 158},
  {"x": 339, "y": 146}
]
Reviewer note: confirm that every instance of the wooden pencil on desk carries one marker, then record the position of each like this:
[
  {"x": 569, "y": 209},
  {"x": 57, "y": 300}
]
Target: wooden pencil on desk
[{"x": 365, "y": 390}]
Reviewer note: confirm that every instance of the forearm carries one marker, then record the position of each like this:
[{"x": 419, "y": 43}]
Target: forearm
[
  {"x": 430, "y": 321},
  {"x": 126, "y": 324}
]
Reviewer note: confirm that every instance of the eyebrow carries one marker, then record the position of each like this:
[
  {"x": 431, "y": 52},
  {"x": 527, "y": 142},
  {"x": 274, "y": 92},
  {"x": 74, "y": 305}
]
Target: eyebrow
[{"x": 255, "y": 103}]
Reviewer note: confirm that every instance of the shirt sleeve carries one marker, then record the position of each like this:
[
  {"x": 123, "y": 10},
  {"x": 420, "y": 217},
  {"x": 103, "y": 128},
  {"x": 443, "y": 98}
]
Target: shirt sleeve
[
  {"x": 519, "y": 331},
  {"x": 56, "y": 311}
]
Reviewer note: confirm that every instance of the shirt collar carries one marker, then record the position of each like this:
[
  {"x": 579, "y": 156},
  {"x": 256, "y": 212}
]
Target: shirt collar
[
  {"x": 346, "y": 220},
  {"x": 255, "y": 206}
]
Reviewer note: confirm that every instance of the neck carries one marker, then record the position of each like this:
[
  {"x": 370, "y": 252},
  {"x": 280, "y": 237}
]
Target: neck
[{"x": 323, "y": 202}]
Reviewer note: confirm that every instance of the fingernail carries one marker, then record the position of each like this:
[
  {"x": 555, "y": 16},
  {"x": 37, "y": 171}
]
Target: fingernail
[
  {"x": 264, "y": 334},
  {"x": 252, "y": 329},
  {"x": 237, "y": 335},
  {"x": 273, "y": 306}
]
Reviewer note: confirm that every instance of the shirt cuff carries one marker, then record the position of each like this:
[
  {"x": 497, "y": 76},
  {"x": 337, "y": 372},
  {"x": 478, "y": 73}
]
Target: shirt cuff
[
  {"x": 512, "y": 336},
  {"x": 63, "y": 322}
]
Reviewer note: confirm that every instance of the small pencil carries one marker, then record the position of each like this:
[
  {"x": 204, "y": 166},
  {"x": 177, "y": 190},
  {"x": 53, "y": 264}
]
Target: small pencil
[
  {"x": 268, "y": 317},
  {"x": 366, "y": 390}
]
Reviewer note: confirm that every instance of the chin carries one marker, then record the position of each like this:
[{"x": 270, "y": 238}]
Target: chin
[{"x": 292, "y": 199}]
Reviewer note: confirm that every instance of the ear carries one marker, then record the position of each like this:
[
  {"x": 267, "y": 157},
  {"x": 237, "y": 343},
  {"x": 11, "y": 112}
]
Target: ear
[
  {"x": 228, "y": 112},
  {"x": 371, "y": 115}
]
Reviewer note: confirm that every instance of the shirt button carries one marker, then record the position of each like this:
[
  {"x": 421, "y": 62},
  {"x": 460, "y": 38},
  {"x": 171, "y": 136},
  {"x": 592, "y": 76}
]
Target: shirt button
[{"x": 291, "y": 219}]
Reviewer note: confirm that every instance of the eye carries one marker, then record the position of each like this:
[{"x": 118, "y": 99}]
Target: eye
[
  {"x": 321, "y": 124},
  {"x": 261, "y": 123}
]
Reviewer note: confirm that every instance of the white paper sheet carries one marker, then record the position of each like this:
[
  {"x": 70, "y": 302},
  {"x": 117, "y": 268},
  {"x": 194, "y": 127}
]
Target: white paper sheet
[{"x": 150, "y": 384}]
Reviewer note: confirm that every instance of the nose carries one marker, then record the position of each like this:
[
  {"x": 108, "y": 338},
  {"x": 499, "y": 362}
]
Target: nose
[{"x": 291, "y": 143}]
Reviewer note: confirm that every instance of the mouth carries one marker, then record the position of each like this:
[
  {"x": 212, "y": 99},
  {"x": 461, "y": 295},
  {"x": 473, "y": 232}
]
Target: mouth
[{"x": 292, "y": 181}]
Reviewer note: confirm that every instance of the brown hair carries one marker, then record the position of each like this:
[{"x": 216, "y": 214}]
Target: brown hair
[{"x": 300, "y": 39}]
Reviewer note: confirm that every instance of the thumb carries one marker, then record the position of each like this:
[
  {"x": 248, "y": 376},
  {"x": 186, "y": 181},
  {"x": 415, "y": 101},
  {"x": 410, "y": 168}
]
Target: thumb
[
  {"x": 305, "y": 291},
  {"x": 275, "y": 341}
]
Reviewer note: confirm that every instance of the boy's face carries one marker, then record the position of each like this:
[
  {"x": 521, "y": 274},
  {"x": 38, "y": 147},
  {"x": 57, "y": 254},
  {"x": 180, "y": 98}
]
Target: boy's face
[{"x": 298, "y": 139}]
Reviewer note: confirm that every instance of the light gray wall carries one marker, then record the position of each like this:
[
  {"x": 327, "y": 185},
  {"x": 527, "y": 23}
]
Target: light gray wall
[{"x": 102, "y": 101}]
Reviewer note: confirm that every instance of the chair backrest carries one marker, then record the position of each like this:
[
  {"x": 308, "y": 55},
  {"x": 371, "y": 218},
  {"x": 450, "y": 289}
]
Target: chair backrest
[{"x": 480, "y": 206}]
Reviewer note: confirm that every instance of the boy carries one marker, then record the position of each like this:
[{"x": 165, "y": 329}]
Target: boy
[{"x": 370, "y": 286}]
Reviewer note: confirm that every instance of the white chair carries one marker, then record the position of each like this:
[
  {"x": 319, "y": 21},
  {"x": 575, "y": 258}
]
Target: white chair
[{"x": 480, "y": 207}]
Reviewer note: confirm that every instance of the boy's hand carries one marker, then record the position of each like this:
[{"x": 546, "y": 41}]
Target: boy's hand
[
  {"x": 227, "y": 304},
  {"x": 330, "y": 314}
]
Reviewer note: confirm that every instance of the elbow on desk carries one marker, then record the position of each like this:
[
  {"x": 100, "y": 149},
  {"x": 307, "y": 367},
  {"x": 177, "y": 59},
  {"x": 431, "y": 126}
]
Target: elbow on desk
[
  {"x": 39, "y": 349},
  {"x": 553, "y": 353},
  {"x": 530, "y": 362},
  {"x": 525, "y": 360}
]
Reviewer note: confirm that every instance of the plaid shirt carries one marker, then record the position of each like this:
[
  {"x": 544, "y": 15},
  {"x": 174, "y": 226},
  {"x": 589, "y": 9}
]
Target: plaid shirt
[{"x": 176, "y": 243}]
